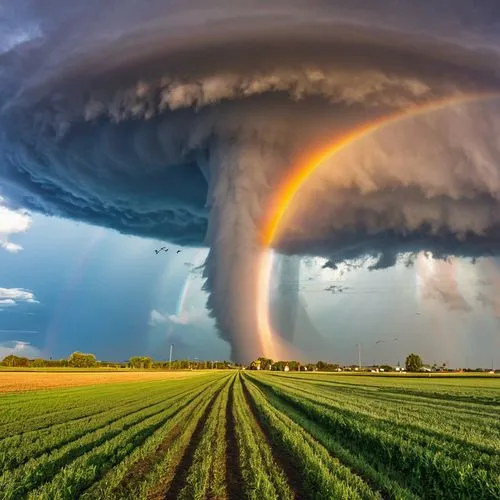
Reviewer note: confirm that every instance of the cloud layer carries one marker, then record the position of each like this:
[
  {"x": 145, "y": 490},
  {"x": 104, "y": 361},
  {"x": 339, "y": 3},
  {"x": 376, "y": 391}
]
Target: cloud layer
[
  {"x": 179, "y": 122},
  {"x": 15, "y": 296},
  {"x": 12, "y": 222},
  {"x": 186, "y": 317}
]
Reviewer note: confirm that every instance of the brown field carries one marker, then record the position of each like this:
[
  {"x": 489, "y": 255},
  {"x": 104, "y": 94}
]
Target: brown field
[{"x": 15, "y": 381}]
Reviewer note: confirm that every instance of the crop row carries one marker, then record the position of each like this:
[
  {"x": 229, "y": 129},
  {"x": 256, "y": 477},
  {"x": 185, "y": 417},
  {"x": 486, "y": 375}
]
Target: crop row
[
  {"x": 150, "y": 468},
  {"x": 431, "y": 429},
  {"x": 394, "y": 457},
  {"x": 17, "y": 449},
  {"x": 46, "y": 412},
  {"x": 252, "y": 436},
  {"x": 67, "y": 470}
]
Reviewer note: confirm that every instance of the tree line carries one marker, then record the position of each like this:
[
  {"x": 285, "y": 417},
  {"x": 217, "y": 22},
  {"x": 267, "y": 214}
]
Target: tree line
[
  {"x": 88, "y": 360},
  {"x": 413, "y": 363},
  {"x": 145, "y": 362},
  {"x": 263, "y": 363},
  {"x": 75, "y": 360}
]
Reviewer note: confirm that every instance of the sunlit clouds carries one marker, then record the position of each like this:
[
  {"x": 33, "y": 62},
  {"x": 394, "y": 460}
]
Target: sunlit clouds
[
  {"x": 12, "y": 222},
  {"x": 16, "y": 296}
]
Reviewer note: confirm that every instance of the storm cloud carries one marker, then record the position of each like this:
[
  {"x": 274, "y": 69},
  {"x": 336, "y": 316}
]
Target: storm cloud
[{"x": 178, "y": 120}]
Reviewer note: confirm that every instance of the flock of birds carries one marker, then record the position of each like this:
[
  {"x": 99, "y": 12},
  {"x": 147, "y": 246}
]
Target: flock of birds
[{"x": 164, "y": 249}]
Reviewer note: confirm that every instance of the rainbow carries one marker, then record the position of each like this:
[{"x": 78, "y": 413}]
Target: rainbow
[
  {"x": 66, "y": 295},
  {"x": 197, "y": 260},
  {"x": 305, "y": 168}
]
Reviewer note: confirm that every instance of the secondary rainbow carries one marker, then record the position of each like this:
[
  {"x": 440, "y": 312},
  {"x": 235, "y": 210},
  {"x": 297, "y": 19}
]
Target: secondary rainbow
[{"x": 287, "y": 192}]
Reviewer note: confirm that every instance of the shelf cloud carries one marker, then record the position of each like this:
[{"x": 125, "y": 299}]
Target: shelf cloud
[{"x": 178, "y": 120}]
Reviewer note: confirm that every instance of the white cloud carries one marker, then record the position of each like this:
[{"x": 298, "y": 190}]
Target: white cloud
[
  {"x": 18, "y": 348},
  {"x": 186, "y": 317},
  {"x": 156, "y": 318},
  {"x": 180, "y": 319},
  {"x": 11, "y": 247},
  {"x": 14, "y": 296},
  {"x": 12, "y": 222}
]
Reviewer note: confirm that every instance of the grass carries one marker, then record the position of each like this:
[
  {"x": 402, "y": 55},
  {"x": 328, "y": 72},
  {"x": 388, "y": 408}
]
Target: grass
[{"x": 228, "y": 434}]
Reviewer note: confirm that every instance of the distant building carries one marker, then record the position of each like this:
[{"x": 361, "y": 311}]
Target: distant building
[{"x": 287, "y": 368}]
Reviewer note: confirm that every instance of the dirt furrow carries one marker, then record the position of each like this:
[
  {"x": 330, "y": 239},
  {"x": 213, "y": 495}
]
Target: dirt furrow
[
  {"x": 233, "y": 472},
  {"x": 143, "y": 466},
  {"x": 182, "y": 468},
  {"x": 283, "y": 459}
]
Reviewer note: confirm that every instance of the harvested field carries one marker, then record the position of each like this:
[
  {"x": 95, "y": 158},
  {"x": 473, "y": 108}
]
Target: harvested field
[
  {"x": 249, "y": 435},
  {"x": 14, "y": 381}
]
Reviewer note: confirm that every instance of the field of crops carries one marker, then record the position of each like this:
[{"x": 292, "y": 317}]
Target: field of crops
[
  {"x": 34, "y": 379},
  {"x": 254, "y": 435}
]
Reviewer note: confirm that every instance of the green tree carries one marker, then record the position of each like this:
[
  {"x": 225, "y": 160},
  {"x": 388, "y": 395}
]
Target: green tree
[
  {"x": 265, "y": 363},
  {"x": 321, "y": 365},
  {"x": 140, "y": 362},
  {"x": 82, "y": 360},
  {"x": 57, "y": 363},
  {"x": 278, "y": 366},
  {"x": 135, "y": 362},
  {"x": 17, "y": 361},
  {"x": 255, "y": 365},
  {"x": 413, "y": 363}
]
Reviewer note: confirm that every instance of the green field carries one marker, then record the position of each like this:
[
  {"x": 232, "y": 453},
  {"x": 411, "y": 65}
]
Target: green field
[{"x": 255, "y": 435}]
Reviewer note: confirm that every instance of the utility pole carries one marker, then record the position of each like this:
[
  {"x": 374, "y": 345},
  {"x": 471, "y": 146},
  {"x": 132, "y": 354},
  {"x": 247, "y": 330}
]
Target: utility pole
[
  {"x": 170, "y": 357},
  {"x": 359, "y": 356}
]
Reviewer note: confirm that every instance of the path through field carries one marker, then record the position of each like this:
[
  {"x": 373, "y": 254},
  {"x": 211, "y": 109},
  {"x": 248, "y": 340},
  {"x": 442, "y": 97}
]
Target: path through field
[{"x": 237, "y": 435}]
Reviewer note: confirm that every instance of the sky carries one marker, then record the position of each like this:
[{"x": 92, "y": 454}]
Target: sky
[
  {"x": 359, "y": 136},
  {"x": 81, "y": 287},
  {"x": 69, "y": 286}
]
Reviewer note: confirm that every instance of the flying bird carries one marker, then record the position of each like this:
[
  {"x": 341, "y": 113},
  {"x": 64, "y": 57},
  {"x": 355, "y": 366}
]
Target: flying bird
[
  {"x": 379, "y": 341},
  {"x": 165, "y": 249}
]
